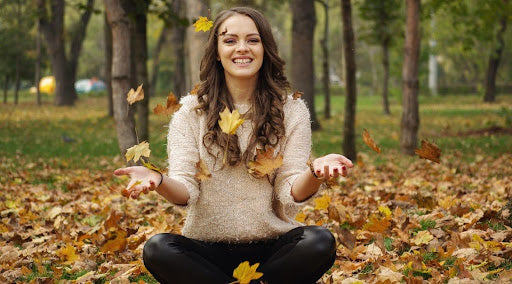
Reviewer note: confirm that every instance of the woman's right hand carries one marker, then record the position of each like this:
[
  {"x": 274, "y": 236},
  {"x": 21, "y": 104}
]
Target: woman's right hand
[{"x": 142, "y": 180}]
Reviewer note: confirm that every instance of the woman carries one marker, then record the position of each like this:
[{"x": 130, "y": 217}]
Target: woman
[{"x": 237, "y": 215}]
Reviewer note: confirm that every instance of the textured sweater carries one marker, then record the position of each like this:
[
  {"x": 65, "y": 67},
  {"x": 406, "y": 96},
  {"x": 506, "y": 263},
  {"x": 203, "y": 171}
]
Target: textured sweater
[{"x": 232, "y": 205}]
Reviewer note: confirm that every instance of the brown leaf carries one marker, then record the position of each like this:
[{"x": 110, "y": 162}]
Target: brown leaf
[
  {"x": 171, "y": 107},
  {"x": 297, "y": 95},
  {"x": 113, "y": 219},
  {"x": 117, "y": 244},
  {"x": 333, "y": 213},
  {"x": 135, "y": 96},
  {"x": 195, "y": 89},
  {"x": 202, "y": 171},
  {"x": 429, "y": 151},
  {"x": 377, "y": 225},
  {"x": 265, "y": 162},
  {"x": 346, "y": 237},
  {"x": 369, "y": 141}
]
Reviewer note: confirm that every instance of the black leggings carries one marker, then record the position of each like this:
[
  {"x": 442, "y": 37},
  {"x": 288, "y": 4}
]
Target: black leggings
[{"x": 302, "y": 255}]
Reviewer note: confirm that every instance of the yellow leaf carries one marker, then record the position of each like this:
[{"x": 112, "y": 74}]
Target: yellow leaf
[
  {"x": 203, "y": 24},
  {"x": 117, "y": 244},
  {"x": 429, "y": 151},
  {"x": 172, "y": 106},
  {"x": 300, "y": 217},
  {"x": 244, "y": 273},
  {"x": 423, "y": 237},
  {"x": 229, "y": 121},
  {"x": 68, "y": 254},
  {"x": 152, "y": 167},
  {"x": 195, "y": 89},
  {"x": 135, "y": 96},
  {"x": 265, "y": 162},
  {"x": 385, "y": 210},
  {"x": 202, "y": 171},
  {"x": 135, "y": 152},
  {"x": 322, "y": 203},
  {"x": 369, "y": 141},
  {"x": 377, "y": 225}
]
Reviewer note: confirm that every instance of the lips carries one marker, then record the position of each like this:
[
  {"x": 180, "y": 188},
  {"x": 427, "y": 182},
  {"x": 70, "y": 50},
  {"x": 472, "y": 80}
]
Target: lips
[{"x": 242, "y": 60}]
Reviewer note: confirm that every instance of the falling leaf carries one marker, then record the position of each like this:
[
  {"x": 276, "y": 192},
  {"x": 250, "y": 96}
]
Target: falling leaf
[
  {"x": 429, "y": 151},
  {"x": 203, "y": 24},
  {"x": 171, "y": 107},
  {"x": 202, "y": 171},
  {"x": 68, "y": 254},
  {"x": 369, "y": 141},
  {"x": 322, "y": 203},
  {"x": 423, "y": 237},
  {"x": 195, "y": 89},
  {"x": 229, "y": 121},
  {"x": 244, "y": 273},
  {"x": 333, "y": 213},
  {"x": 265, "y": 162},
  {"x": 135, "y": 152},
  {"x": 135, "y": 96},
  {"x": 300, "y": 217},
  {"x": 297, "y": 95}
]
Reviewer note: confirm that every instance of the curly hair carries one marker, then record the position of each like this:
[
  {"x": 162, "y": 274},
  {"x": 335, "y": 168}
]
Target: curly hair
[{"x": 267, "y": 106}]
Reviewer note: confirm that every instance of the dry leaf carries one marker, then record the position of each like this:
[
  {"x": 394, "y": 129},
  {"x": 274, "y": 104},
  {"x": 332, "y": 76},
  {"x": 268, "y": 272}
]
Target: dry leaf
[
  {"x": 333, "y": 213},
  {"x": 195, "y": 89},
  {"x": 203, "y": 24},
  {"x": 423, "y": 237},
  {"x": 135, "y": 96},
  {"x": 300, "y": 217},
  {"x": 297, "y": 95},
  {"x": 265, "y": 162},
  {"x": 386, "y": 275},
  {"x": 151, "y": 167},
  {"x": 369, "y": 141},
  {"x": 322, "y": 203},
  {"x": 202, "y": 171},
  {"x": 68, "y": 254},
  {"x": 135, "y": 152},
  {"x": 117, "y": 244},
  {"x": 229, "y": 121},
  {"x": 377, "y": 225},
  {"x": 429, "y": 151},
  {"x": 244, "y": 273},
  {"x": 171, "y": 107}
]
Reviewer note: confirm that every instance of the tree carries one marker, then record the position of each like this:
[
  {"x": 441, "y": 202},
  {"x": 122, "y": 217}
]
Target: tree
[
  {"x": 195, "y": 40},
  {"x": 383, "y": 17},
  {"x": 121, "y": 72},
  {"x": 349, "y": 144},
  {"x": 324, "y": 43},
  {"x": 108, "y": 64},
  {"x": 410, "y": 84},
  {"x": 302, "y": 67},
  {"x": 51, "y": 19}
]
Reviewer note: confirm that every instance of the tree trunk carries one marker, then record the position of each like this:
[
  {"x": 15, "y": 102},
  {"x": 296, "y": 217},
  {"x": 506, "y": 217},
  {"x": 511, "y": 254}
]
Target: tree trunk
[
  {"x": 410, "y": 83},
  {"x": 17, "y": 80},
  {"x": 494, "y": 63},
  {"x": 6, "y": 87},
  {"x": 18, "y": 55},
  {"x": 38, "y": 64},
  {"x": 121, "y": 50},
  {"x": 141, "y": 56},
  {"x": 178, "y": 38},
  {"x": 385, "y": 77},
  {"x": 196, "y": 40},
  {"x": 302, "y": 67},
  {"x": 162, "y": 38},
  {"x": 108, "y": 65},
  {"x": 349, "y": 139},
  {"x": 325, "y": 63}
]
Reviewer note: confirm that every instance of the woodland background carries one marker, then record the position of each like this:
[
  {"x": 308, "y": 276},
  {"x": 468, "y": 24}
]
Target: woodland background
[{"x": 404, "y": 70}]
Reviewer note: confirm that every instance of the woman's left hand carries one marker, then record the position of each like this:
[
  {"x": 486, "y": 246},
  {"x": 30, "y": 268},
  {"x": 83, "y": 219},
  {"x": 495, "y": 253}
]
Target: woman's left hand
[{"x": 331, "y": 166}]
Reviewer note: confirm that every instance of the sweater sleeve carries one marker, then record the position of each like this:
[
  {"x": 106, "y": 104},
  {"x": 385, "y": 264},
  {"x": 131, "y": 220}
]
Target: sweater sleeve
[
  {"x": 182, "y": 147},
  {"x": 296, "y": 152}
]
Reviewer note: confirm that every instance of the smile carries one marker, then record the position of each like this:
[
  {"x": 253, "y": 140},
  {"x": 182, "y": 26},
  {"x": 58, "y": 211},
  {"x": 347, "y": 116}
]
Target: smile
[{"x": 242, "y": 60}]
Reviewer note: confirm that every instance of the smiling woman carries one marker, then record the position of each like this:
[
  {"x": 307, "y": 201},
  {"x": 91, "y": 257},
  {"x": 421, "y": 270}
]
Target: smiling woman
[{"x": 244, "y": 208}]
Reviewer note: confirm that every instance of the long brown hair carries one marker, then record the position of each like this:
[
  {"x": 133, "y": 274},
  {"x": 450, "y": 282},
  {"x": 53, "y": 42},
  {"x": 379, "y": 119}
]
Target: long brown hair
[{"x": 267, "y": 105}]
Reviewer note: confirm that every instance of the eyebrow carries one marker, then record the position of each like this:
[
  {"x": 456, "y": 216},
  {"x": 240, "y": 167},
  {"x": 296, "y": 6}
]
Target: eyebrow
[{"x": 235, "y": 35}]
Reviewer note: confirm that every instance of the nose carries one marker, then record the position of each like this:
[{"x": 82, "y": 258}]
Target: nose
[{"x": 241, "y": 46}]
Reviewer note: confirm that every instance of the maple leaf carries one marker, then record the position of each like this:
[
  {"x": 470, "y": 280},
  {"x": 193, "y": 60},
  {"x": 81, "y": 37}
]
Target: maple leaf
[
  {"x": 322, "y": 203},
  {"x": 229, "y": 121},
  {"x": 195, "y": 89},
  {"x": 429, "y": 151},
  {"x": 300, "y": 217},
  {"x": 171, "y": 107},
  {"x": 265, "y": 162},
  {"x": 117, "y": 244},
  {"x": 203, "y": 24},
  {"x": 135, "y": 96},
  {"x": 202, "y": 171},
  {"x": 244, "y": 273},
  {"x": 333, "y": 213},
  {"x": 377, "y": 225},
  {"x": 136, "y": 151},
  {"x": 423, "y": 237},
  {"x": 68, "y": 254},
  {"x": 297, "y": 95},
  {"x": 151, "y": 167},
  {"x": 385, "y": 210},
  {"x": 369, "y": 141}
]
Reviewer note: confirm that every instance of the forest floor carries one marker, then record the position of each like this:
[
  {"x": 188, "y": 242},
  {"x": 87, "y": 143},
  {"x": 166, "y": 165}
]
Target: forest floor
[{"x": 396, "y": 218}]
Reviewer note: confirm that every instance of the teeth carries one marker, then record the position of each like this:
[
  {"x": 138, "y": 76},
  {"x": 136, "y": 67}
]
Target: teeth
[{"x": 242, "y": 61}]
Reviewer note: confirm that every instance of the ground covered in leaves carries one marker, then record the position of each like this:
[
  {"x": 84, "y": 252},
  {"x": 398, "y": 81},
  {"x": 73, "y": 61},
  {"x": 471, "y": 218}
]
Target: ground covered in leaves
[{"x": 427, "y": 221}]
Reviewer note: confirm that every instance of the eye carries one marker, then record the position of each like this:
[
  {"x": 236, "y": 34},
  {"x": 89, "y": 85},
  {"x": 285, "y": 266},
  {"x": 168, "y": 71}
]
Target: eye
[
  {"x": 254, "y": 40},
  {"x": 229, "y": 41}
]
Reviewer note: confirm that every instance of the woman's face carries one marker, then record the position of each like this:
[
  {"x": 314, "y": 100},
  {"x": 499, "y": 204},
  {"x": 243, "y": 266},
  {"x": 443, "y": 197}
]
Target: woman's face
[{"x": 239, "y": 48}]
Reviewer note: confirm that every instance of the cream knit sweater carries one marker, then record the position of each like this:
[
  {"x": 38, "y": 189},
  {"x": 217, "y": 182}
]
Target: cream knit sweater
[{"x": 232, "y": 205}]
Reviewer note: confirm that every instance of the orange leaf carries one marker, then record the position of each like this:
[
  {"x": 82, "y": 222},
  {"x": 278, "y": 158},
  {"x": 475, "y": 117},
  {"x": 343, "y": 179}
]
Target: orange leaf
[
  {"x": 68, "y": 254},
  {"x": 265, "y": 162},
  {"x": 429, "y": 151},
  {"x": 377, "y": 225},
  {"x": 195, "y": 89},
  {"x": 202, "y": 171},
  {"x": 172, "y": 106},
  {"x": 369, "y": 141},
  {"x": 297, "y": 95},
  {"x": 117, "y": 244},
  {"x": 135, "y": 96}
]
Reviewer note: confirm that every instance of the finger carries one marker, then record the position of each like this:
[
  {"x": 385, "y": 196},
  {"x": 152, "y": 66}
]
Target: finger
[
  {"x": 344, "y": 171},
  {"x": 122, "y": 171},
  {"x": 326, "y": 171},
  {"x": 335, "y": 172},
  {"x": 346, "y": 161},
  {"x": 145, "y": 190}
]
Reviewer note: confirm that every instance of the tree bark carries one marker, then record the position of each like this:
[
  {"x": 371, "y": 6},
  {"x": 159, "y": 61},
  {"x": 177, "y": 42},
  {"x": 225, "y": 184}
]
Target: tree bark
[
  {"x": 385, "y": 77},
  {"x": 325, "y": 63},
  {"x": 141, "y": 56},
  {"x": 121, "y": 72},
  {"x": 410, "y": 84},
  {"x": 302, "y": 67},
  {"x": 108, "y": 65},
  {"x": 178, "y": 37},
  {"x": 195, "y": 40},
  {"x": 349, "y": 143},
  {"x": 494, "y": 63}
]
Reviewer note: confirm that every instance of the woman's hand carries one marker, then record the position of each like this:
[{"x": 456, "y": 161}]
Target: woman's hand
[
  {"x": 142, "y": 180},
  {"x": 331, "y": 166}
]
